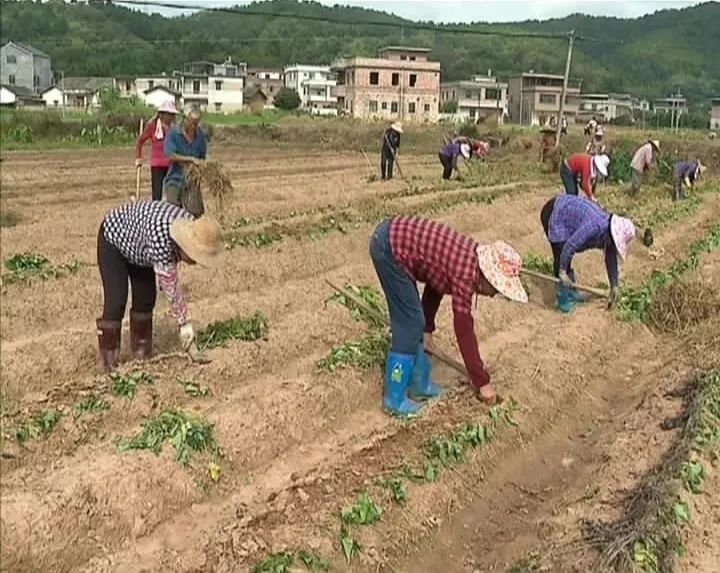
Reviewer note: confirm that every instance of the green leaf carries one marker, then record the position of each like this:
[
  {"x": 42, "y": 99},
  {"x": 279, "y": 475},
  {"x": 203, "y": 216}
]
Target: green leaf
[{"x": 682, "y": 512}]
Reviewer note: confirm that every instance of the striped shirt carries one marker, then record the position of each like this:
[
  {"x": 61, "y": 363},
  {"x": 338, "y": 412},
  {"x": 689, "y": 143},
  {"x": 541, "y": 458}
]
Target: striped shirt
[{"x": 141, "y": 232}]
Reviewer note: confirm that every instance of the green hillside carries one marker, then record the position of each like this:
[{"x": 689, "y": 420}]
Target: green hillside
[{"x": 647, "y": 56}]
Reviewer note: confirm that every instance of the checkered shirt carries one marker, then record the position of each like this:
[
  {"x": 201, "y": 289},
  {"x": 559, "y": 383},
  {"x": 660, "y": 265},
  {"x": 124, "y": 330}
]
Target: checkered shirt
[{"x": 439, "y": 256}]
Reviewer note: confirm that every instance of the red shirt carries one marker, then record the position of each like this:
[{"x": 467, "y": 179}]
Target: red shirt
[
  {"x": 582, "y": 164},
  {"x": 446, "y": 262},
  {"x": 157, "y": 153}
]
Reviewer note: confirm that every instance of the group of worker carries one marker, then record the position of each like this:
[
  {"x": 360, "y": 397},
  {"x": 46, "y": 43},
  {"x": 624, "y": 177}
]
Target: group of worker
[{"x": 142, "y": 241}]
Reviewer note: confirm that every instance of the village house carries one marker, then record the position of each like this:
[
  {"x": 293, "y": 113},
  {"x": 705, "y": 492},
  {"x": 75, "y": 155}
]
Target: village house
[
  {"x": 268, "y": 80},
  {"x": 605, "y": 107},
  {"x": 255, "y": 99},
  {"x": 76, "y": 92},
  {"x": 715, "y": 113},
  {"x": 676, "y": 104},
  {"x": 16, "y": 96},
  {"x": 213, "y": 87},
  {"x": 158, "y": 95},
  {"x": 26, "y": 67},
  {"x": 402, "y": 83},
  {"x": 535, "y": 98},
  {"x": 315, "y": 85},
  {"x": 477, "y": 99}
]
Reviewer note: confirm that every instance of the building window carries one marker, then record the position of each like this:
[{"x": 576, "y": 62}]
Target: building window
[
  {"x": 11, "y": 80},
  {"x": 218, "y": 85},
  {"x": 374, "y": 78},
  {"x": 468, "y": 95},
  {"x": 396, "y": 79},
  {"x": 11, "y": 59},
  {"x": 373, "y": 107},
  {"x": 403, "y": 58},
  {"x": 471, "y": 113},
  {"x": 272, "y": 89},
  {"x": 36, "y": 81},
  {"x": 383, "y": 106},
  {"x": 151, "y": 84},
  {"x": 413, "y": 80},
  {"x": 411, "y": 107},
  {"x": 196, "y": 86},
  {"x": 492, "y": 93},
  {"x": 393, "y": 107},
  {"x": 218, "y": 106},
  {"x": 550, "y": 99},
  {"x": 412, "y": 58},
  {"x": 427, "y": 108}
]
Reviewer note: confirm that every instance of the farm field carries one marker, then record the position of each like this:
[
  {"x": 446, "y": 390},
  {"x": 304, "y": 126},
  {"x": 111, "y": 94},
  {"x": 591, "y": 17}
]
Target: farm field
[{"x": 290, "y": 444}]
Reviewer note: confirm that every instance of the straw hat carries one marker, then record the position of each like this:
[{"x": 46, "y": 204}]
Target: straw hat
[
  {"x": 623, "y": 232},
  {"x": 701, "y": 167},
  {"x": 168, "y": 107},
  {"x": 397, "y": 126},
  {"x": 655, "y": 143},
  {"x": 601, "y": 164},
  {"x": 500, "y": 264},
  {"x": 200, "y": 239}
]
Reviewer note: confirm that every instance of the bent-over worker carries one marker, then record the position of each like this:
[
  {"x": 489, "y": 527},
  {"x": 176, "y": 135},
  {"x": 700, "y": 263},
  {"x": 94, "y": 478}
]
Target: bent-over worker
[
  {"x": 185, "y": 144},
  {"x": 587, "y": 168},
  {"x": 407, "y": 250},
  {"x": 389, "y": 151},
  {"x": 449, "y": 155},
  {"x": 574, "y": 224},
  {"x": 155, "y": 132},
  {"x": 643, "y": 160},
  {"x": 685, "y": 174},
  {"x": 139, "y": 242}
]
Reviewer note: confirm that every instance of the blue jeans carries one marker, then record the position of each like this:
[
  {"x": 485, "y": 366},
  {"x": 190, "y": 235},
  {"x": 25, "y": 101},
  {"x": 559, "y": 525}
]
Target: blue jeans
[
  {"x": 407, "y": 320},
  {"x": 568, "y": 179}
]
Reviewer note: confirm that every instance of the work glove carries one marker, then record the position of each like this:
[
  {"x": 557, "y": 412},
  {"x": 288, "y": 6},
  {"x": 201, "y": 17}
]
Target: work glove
[
  {"x": 187, "y": 336},
  {"x": 613, "y": 298},
  {"x": 565, "y": 279}
]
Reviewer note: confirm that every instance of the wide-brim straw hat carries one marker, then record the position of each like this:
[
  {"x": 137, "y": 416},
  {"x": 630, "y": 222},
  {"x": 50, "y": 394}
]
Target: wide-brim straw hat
[
  {"x": 200, "y": 239},
  {"x": 500, "y": 264},
  {"x": 655, "y": 143},
  {"x": 623, "y": 232},
  {"x": 602, "y": 162},
  {"x": 397, "y": 126},
  {"x": 701, "y": 167},
  {"x": 168, "y": 107}
]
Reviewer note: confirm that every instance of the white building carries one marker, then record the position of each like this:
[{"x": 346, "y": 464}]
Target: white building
[
  {"x": 157, "y": 95},
  {"x": 76, "y": 92},
  {"x": 478, "y": 98},
  {"x": 605, "y": 107},
  {"x": 316, "y": 87},
  {"x": 17, "y": 96},
  {"x": 213, "y": 87}
]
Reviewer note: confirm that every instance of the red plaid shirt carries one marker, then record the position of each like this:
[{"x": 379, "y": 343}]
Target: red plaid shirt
[{"x": 446, "y": 261}]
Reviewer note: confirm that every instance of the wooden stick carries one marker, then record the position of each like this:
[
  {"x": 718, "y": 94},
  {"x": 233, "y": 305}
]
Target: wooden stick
[
  {"x": 397, "y": 163},
  {"x": 596, "y": 291},
  {"x": 139, "y": 168},
  {"x": 439, "y": 354}
]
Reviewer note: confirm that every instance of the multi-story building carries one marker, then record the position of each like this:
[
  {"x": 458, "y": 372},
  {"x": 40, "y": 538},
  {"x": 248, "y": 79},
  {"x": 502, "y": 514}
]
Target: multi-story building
[
  {"x": 212, "y": 87},
  {"x": 402, "y": 83},
  {"x": 268, "y": 80},
  {"x": 316, "y": 87},
  {"x": 535, "y": 98},
  {"x": 26, "y": 67},
  {"x": 477, "y": 99},
  {"x": 715, "y": 113},
  {"x": 605, "y": 107}
]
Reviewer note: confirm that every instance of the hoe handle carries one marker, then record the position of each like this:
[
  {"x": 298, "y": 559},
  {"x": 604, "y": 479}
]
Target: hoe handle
[
  {"x": 440, "y": 355},
  {"x": 596, "y": 291}
]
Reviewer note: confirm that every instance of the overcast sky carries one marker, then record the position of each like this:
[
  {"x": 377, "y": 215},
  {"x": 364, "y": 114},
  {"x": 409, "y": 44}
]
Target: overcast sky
[{"x": 485, "y": 10}]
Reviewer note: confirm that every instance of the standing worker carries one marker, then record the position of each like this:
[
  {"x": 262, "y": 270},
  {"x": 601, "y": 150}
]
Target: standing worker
[
  {"x": 572, "y": 225},
  {"x": 185, "y": 143},
  {"x": 449, "y": 155},
  {"x": 155, "y": 132},
  {"x": 587, "y": 168},
  {"x": 643, "y": 160},
  {"x": 685, "y": 174},
  {"x": 390, "y": 148},
  {"x": 140, "y": 241},
  {"x": 405, "y": 250}
]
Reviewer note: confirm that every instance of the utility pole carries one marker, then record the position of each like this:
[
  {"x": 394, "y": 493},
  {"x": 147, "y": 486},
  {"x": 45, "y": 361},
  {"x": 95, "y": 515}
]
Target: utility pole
[
  {"x": 563, "y": 95},
  {"x": 62, "y": 88}
]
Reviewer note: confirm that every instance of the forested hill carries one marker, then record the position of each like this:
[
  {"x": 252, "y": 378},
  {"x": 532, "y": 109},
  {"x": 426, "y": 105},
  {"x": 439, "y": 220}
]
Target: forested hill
[{"x": 648, "y": 56}]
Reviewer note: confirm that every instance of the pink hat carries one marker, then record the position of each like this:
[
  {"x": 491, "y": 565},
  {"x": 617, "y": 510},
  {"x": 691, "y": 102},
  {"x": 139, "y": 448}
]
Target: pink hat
[
  {"x": 623, "y": 232},
  {"x": 500, "y": 264},
  {"x": 168, "y": 107}
]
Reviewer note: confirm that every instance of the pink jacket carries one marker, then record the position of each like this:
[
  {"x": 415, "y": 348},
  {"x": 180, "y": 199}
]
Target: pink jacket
[{"x": 157, "y": 155}]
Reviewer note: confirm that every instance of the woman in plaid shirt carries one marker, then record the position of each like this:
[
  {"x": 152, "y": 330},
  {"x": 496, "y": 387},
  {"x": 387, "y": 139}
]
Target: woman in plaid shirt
[{"x": 406, "y": 250}]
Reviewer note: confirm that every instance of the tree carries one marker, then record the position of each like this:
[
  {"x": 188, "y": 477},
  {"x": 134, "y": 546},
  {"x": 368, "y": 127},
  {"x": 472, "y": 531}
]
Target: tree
[
  {"x": 288, "y": 99},
  {"x": 450, "y": 106}
]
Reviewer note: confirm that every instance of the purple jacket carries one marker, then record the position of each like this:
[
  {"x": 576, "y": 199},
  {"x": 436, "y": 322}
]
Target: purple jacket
[
  {"x": 685, "y": 169},
  {"x": 451, "y": 150}
]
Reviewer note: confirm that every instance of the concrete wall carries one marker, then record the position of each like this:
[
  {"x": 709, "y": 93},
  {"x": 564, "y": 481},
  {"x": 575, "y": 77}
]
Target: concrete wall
[
  {"x": 229, "y": 97},
  {"x": 7, "y": 97},
  {"x": 53, "y": 98},
  {"x": 29, "y": 71}
]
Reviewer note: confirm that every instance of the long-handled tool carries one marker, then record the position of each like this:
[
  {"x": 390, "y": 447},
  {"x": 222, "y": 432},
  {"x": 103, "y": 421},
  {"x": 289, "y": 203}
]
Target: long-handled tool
[
  {"x": 138, "y": 169},
  {"x": 439, "y": 354},
  {"x": 397, "y": 163},
  {"x": 596, "y": 291},
  {"x": 371, "y": 176}
]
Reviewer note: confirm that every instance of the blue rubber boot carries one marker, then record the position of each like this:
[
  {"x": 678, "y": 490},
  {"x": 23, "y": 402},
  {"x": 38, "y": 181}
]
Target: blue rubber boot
[
  {"x": 398, "y": 371},
  {"x": 564, "y": 303},
  {"x": 576, "y": 296},
  {"x": 421, "y": 385}
]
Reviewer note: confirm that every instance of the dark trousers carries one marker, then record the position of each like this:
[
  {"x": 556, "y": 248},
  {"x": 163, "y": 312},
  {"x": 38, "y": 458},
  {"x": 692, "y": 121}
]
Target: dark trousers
[
  {"x": 447, "y": 165},
  {"x": 557, "y": 248},
  {"x": 157, "y": 174},
  {"x": 569, "y": 180},
  {"x": 115, "y": 272},
  {"x": 407, "y": 320},
  {"x": 387, "y": 161}
]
